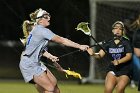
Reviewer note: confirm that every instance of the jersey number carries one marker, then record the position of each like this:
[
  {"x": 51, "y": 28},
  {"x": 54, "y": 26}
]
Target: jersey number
[
  {"x": 116, "y": 56},
  {"x": 29, "y": 39}
]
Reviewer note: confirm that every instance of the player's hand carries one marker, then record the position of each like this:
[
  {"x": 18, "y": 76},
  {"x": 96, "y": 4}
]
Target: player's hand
[
  {"x": 53, "y": 58},
  {"x": 50, "y": 56},
  {"x": 90, "y": 51},
  {"x": 115, "y": 62},
  {"x": 83, "y": 47}
]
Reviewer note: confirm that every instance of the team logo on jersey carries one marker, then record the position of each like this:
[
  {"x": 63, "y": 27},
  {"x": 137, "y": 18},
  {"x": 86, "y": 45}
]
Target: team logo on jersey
[{"x": 116, "y": 50}]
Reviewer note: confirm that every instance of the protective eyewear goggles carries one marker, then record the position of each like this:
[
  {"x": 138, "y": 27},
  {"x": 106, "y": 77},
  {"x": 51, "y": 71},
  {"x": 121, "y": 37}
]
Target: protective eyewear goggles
[{"x": 46, "y": 16}]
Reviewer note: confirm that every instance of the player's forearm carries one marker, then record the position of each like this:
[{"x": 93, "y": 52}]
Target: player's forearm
[
  {"x": 96, "y": 55},
  {"x": 70, "y": 43},
  {"x": 65, "y": 42},
  {"x": 126, "y": 58},
  {"x": 46, "y": 54},
  {"x": 50, "y": 56}
]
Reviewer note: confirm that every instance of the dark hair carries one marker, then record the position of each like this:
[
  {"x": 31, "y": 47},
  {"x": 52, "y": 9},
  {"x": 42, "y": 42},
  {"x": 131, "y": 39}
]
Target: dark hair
[
  {"x": 136, "y": 24},
  {"x": 118, "y": 22}
]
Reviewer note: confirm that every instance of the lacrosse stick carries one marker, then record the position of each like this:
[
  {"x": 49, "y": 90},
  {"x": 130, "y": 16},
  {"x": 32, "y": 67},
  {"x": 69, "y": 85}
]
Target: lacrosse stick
[
  {"x": 83, "y": 26},
  {"x": 67, "y": 72},
  {"x": 75, "y": 51}
]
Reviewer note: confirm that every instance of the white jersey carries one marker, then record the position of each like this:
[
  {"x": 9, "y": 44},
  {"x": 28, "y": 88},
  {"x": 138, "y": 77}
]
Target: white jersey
[{"x": 30, "y": 59}]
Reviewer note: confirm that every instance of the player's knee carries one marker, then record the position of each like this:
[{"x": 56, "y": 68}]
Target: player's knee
[
  {"x": 120, "y": 89},
  {"x": 108, "y": 90},
  {"x": 50, "y": 88},
  {"x": 57, "y": 90},
  {"x": 54, "y": 82}
]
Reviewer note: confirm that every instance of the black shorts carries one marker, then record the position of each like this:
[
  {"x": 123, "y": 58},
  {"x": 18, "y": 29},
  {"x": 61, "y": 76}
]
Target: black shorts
[
  {"x": 121, "y": 70},
  {"x": 32, "y": 81}
]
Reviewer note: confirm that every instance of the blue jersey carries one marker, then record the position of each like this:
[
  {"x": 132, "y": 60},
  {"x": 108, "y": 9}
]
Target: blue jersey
[{"x": 116, "y": 52}]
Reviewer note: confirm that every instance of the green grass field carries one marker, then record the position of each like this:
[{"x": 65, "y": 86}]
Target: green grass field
[{"x": 65, "y": 87}]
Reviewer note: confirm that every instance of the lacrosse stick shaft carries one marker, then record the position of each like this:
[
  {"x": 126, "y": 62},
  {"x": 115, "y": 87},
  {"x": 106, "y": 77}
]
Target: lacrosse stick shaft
[
  {"x": 98, "y": 44},
  {"x": 56, "y": 66},
  {"x": 70, "y": 53}
]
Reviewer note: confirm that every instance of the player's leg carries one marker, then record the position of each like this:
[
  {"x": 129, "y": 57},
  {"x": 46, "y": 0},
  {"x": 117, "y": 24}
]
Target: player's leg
[
  {"x": 44, "y": 82},
  {"x": 39, "y": 88},
  {"x": 110, "y": 82},
  {"x": 53, "y": 80},
  {"x": 122, "y": 83},
  {"x": 56, "y": 90}
]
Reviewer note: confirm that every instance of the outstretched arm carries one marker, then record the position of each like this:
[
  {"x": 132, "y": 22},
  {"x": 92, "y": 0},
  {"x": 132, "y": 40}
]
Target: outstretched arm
[{"x": 69, "y": 43}]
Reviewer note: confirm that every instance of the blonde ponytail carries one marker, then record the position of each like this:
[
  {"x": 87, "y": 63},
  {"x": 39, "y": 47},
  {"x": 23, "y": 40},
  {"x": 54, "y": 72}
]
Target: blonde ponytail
[{"x": 26, "y": 27}]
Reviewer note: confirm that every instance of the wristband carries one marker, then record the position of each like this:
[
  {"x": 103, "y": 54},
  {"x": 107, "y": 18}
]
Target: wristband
[{"x": 96, "y": 53}]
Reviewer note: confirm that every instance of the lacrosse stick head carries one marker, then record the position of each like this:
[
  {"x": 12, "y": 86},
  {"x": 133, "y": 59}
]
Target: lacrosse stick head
[
  {"x": 83, "y": 26},
  {"x": 72, "y": 73}
]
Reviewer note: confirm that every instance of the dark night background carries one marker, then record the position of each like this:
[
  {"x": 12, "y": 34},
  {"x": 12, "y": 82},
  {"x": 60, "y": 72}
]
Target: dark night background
[{"x": 65, "y": 15}]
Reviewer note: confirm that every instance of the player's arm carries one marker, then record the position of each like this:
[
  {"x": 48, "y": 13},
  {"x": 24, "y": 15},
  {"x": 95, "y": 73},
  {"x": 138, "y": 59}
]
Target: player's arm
[
  {"x": 50, "y": 56},
  {"x": 125, "y": 59},
  {"x": 69, "y": 43},
  {"x": 137, "y": 51}
]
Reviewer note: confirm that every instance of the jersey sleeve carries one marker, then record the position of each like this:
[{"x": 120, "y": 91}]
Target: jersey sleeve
[{"x": 47, "y": 33}]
